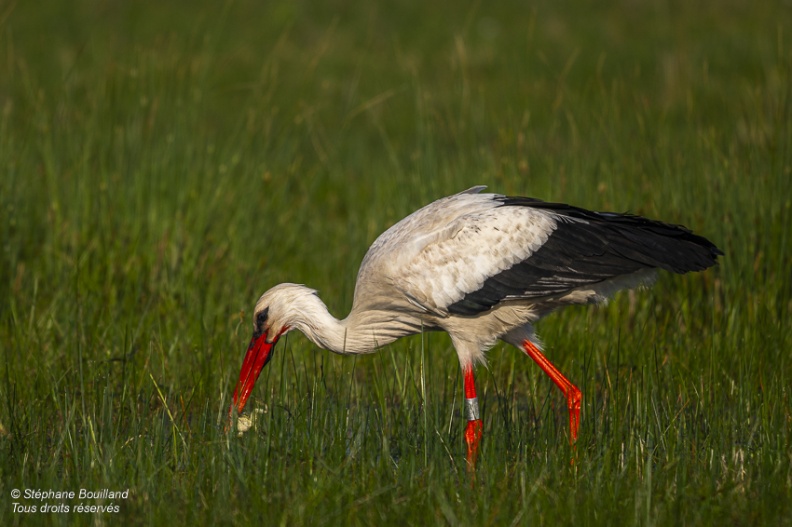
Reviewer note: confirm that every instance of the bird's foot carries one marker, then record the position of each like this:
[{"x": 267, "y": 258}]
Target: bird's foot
[
  {"x": 472, "y": 438},
  {"x": 573, "y": 403}
]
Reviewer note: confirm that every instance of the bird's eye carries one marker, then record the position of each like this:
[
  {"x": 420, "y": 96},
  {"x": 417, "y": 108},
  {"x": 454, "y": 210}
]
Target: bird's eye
[
  {"x": 261, "y": 317},
  {"x": 260, "y": 323}
]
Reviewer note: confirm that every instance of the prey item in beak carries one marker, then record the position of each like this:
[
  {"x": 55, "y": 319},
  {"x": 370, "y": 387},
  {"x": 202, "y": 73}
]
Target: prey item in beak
[{"x": 258, "y": 354}]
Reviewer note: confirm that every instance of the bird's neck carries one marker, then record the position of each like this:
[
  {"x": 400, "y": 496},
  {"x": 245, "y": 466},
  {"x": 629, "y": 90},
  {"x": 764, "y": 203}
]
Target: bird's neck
[{"x": 363, "y": 331}]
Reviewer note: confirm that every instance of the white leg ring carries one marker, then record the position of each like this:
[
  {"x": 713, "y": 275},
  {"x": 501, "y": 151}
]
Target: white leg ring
[{"x": 472, "y": 409}]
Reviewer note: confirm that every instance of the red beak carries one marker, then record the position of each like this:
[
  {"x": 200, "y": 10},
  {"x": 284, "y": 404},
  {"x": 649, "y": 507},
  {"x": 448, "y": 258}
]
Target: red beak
[{"x": 258, "y": 354}]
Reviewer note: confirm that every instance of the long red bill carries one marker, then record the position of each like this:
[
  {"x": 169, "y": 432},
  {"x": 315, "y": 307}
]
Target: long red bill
[{"x": 258, "y": 354}]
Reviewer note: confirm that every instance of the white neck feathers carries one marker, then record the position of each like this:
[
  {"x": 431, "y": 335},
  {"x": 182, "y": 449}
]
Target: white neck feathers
[{"x": 363, "y": 331}]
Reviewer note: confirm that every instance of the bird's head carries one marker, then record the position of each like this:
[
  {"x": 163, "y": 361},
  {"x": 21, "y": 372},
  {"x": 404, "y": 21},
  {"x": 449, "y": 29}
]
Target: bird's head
[{"x": 275, "y": 314}]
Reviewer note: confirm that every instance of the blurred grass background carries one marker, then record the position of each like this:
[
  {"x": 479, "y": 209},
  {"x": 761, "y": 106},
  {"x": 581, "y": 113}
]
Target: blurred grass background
[{"x": 164, "y": 163}]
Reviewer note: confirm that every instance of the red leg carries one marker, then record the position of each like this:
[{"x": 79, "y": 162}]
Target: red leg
[
  {"x": 474, "y": 425},
  {"x": 571, "y": 392}
]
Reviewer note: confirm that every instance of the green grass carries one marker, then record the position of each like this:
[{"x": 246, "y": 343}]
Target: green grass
[{"x": 164, "y": 163}]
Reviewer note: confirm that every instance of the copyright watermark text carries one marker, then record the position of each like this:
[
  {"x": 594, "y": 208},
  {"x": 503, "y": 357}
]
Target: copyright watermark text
[{"x": 51, "y": 501}]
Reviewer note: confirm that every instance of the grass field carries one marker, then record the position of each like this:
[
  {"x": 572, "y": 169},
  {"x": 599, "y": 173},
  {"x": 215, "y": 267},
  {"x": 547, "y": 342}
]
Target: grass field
[{"x": 164, "y": 163}]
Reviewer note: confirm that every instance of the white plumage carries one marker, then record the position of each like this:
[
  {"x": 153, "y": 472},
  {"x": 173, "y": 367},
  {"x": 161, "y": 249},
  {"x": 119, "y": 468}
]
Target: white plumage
[
  {"x": 468, "y": 240},
  {"x": 482, "y": 267}
]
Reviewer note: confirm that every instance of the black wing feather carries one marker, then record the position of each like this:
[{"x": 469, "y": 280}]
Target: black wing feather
[{"x": 588, "y": 248}]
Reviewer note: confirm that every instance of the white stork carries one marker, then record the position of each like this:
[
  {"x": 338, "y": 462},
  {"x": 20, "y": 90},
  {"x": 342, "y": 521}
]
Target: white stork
[{"x": 481, "y": 267}]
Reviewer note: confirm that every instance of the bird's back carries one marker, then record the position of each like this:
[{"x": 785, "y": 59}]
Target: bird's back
[
  {"x": 466, "y": 253},
  {"x": 385, "y": 266}
]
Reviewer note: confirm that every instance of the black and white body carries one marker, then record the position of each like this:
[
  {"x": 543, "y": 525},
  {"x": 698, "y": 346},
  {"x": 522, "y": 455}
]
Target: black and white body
[{"x": 482, "y": 267}]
